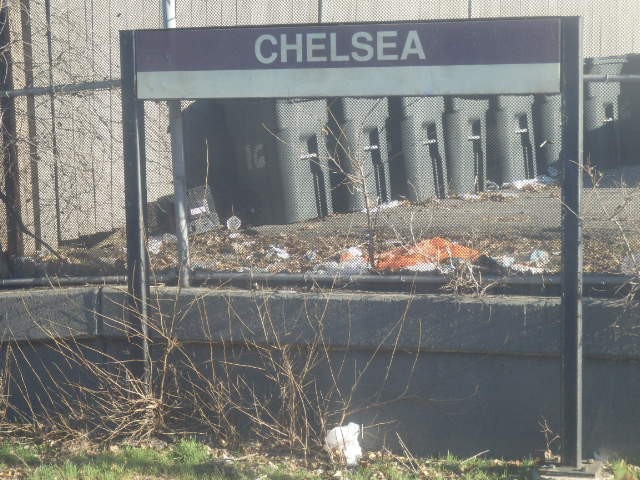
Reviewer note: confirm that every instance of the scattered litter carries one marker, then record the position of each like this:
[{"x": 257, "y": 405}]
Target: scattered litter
[
  {"x": 537, "y": 183},
  {"x": 447, "y": 268},
  {"x": 505, "y": 261},
  {"x": 470, "y": 196},
  {"x": 494, "y": 195},
  {"x": 281, "y": 253},
  {"x": 234, "y": 223},
  {"x": 350, "y": 254},
  {"x": 169, "y": 238},
  {"x": 383, "y": 206},
  {"x": 491, "y": 186},
  {"x": 433, "y": 250},
  {"x": 154, "y": 244},
  {"x": 344, "y": 441},
  {"x": 424, "y": 267},
  {"x": 424, "y": 256},
  {"x": 355, "y": 266},
  {"x": 310, "y": 256},
  {"x": 540, "y": 258},
  {"x": 630, "y": 264}
]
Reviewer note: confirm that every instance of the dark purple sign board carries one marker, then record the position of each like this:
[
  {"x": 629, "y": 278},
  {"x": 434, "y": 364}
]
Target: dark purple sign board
[{"x": 501, "y": 56}]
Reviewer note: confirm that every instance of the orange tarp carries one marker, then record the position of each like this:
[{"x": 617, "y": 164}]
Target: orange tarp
[{"x": 432, "y": 250}]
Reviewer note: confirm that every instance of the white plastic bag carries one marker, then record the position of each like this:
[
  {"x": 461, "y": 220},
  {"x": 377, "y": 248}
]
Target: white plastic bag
[{"x": 344, "y": 440}]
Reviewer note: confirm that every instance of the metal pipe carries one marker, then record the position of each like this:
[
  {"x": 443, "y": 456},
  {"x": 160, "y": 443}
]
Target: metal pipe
[
  {"x": 9, "y": 283},
  {"x": 609, "y": 77},
  {"x": 179, "y": 168},
  {"x": 598, "y": 285},
  {"x": 61, "y": 281},
  {"x": 62, "y": 88}
]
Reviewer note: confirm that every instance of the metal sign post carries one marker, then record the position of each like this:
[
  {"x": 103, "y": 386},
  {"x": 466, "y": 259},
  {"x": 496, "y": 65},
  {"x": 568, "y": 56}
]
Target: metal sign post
[
  {"x": 135, "y": 210},
  {"x": 457, "y": 57},
  {"x": 572, "y": 85}
]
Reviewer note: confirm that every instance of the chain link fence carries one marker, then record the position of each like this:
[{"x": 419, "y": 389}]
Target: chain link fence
[{"x": 344, "y": 185}]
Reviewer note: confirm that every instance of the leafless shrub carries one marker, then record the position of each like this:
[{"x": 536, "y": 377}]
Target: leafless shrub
[{"x": 263, "y": 384}]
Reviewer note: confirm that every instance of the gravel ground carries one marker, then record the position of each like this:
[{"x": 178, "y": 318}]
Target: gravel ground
[{"x": 506, "y": 223}]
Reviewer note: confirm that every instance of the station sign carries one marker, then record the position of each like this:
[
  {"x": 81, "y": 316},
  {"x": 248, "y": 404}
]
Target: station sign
[{"x": 497, "y": 56}]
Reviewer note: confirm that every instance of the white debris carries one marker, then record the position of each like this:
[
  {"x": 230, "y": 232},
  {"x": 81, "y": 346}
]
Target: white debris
[
  {"x": 234, "y": 223},
  {"x": 154, "y": 244},
  {"x": 424, "y": 267},
  {"x": 354, "y": 266},
  {"x": 631, "y": 264},
  {"x": 169, "y": 238},
  {"x": 344, "y": 441},
  {"x": 505, "y": 260},
  {"x": 310, "y": 256},
  {"x": 383, "y": 206},
  {"x": 281, "y": 253},
  {"x": 488, "y": 195},
  {"x": 470, "y": 196},
  {"x": 446, "y": 268},
  {"x": 539, "y": 258},
  {"x": 353, "y": 252},
  {"x": 539, "y": 182},
  {"x": 491, "y": 186}
]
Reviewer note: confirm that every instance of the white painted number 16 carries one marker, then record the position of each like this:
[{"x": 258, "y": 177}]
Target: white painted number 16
[{"x": 254, "y": 155}]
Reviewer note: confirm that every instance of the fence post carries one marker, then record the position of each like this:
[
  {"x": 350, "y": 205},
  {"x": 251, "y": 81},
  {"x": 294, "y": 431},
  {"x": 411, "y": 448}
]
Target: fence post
[
  {"x": 11, "y": 177},
  {"x": 54, "y": 134},
  {"x": 135, "y": 210},
  {"x": 572, "y": 150},
  {"x": 27, "y": 51}
]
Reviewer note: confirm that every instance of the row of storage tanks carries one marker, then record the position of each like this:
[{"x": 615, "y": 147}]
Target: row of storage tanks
[{"x": 284, "y": 161}]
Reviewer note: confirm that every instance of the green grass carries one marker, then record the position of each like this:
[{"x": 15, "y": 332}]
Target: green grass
[
  {"x": 189, "y": 459},
  {"x": 186, "y": 459},
  {"x": 624, "y": 471}
]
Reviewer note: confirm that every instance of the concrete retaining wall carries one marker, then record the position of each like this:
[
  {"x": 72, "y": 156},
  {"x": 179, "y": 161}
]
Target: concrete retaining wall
[{"x": 446, "y": 373}]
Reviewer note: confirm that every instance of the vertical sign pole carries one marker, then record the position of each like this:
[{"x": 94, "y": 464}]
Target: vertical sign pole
[
  {"x": 572, "y": 71},
  {"x": 135, "y": 204},
  {"x": 179, "y": 169}
]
